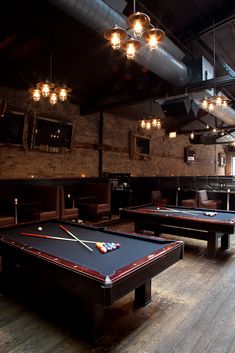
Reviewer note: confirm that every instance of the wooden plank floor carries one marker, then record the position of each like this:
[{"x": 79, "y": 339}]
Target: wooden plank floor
[{"x": 192, "y": 311}]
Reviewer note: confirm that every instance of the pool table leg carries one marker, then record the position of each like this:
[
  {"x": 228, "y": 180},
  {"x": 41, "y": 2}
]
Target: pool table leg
[
  {"x": 225, "y": 241},
  {"x": 212, "y": 244},
  {"x": 95, "y": 321},
  {"x": 7, "y": 270},
  {"x": 138, "y": 228},
  {"x": 143, "y": 294}
]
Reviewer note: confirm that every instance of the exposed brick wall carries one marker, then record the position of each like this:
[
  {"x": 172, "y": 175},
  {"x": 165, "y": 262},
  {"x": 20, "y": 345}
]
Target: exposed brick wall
[{"x": 167, "y": 156}]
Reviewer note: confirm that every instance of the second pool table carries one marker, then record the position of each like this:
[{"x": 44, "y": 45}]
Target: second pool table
[{"x": 186, "y": 222}]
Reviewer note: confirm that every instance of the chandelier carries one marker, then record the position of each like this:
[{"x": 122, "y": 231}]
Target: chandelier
[
  {"x": 138, "y": 29},
  {"x": 151, "y": 122},
  {"x": 51, "y": 91},
  {"x": 48, "y": 89},
  {"x": 218, "y": 100}
]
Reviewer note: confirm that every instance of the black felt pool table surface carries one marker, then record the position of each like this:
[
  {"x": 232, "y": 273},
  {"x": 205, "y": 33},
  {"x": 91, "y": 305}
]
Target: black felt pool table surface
[
  {"x": 224, "y": 216},
  {"x": 131, "y": 250}
]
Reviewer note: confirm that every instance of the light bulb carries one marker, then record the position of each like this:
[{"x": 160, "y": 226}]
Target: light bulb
[
  {"x": 63, "y": 94},
  {"x": 211, "y": 107},
  {"x": 36, "y": 95},
  {"x": 137, "y": 28},
  {"x": 143, "y": 124},
  {"x": 218, "y": 101},
  {"x": 130, "y": 53},
  {"x": 205, "y": 103},
  {"x": 154, "y": 122},
  {"x": 192, "y": 135},
  {"x": 148, "y": 125},
  {"x": 159, "y": 124},
  {"x": 224, "y": 104},
  {"x": 153, "y": 43},
  {"x": 53, "y": 98},
  {"x": 45, "y": 89},
  {"x": 115, "y": 41},
  {"x": 207, "y": 126}
]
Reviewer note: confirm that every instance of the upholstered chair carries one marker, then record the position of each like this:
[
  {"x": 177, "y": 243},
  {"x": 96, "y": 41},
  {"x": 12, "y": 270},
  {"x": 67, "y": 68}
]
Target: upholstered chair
[{"x": 204, "y": 202}]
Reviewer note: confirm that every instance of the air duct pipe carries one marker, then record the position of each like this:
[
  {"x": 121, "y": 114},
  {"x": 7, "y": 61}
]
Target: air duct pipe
[{"x": 97, "y": 15}]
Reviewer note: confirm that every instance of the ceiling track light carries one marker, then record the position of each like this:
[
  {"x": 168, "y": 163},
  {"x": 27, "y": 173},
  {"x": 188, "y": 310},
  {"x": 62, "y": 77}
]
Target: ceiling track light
[{"x": 138, "y": 26}]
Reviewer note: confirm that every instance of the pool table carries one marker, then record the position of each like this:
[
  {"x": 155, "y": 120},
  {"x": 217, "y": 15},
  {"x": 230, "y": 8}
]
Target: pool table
[
  {"x": 186, "y": 222},
  {"x": 96, "y": 278}
]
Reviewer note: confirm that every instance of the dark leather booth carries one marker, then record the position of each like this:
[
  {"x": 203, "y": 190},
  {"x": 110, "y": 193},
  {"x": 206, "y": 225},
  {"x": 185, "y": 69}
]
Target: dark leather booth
[
  {"x": 94, "y": 200},
  {"x": 47, "y": 202}
]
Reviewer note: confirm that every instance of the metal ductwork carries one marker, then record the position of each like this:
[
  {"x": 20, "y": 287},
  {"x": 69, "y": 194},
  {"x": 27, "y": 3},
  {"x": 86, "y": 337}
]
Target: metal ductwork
[{"x": 97, "y": 15}]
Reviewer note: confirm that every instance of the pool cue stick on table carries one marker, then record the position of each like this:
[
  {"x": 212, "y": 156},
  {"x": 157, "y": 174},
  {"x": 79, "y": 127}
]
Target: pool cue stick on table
[
  {"x": 72, "y": 235},
  {"x": 56, "y": 238},
  {"x": 178, "y": 211}
]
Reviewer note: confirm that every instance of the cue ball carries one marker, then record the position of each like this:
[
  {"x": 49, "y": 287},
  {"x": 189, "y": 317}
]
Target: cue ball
[{"x": 39, "y": 228}]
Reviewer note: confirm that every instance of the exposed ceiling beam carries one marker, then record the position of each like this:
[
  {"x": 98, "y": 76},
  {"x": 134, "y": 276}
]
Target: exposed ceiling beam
[{"x": 221, "y": 81}]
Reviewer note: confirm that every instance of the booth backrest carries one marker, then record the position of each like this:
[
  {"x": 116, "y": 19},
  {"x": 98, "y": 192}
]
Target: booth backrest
[
  {"x": 67, "y": 213},
  {"x": 46, "y": 197},
  {"x": 100, "y": 191}
]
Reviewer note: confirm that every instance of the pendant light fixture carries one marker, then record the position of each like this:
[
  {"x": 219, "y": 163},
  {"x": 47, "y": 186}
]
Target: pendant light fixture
[
  {"x": 48, "y": 89},
  {"x": 139, "y": 31},
  {"x": 218, "y": 100},
  {"x": 151, "y": 121}
]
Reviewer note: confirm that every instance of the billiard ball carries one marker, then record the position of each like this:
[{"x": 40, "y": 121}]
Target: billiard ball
[{"x": 40, "y": 229}]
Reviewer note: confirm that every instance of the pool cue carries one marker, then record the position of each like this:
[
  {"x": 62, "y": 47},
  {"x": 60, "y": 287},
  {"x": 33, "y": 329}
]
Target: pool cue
[
  {"x": 179, "y": 211},
  {"x": 72, "y": 235},
  {"x": 56, "y": 238}
]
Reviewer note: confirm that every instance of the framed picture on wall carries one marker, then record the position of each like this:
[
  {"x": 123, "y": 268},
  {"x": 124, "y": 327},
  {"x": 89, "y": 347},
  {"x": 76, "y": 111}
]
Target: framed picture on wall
[{"x": 140, "y": 146}]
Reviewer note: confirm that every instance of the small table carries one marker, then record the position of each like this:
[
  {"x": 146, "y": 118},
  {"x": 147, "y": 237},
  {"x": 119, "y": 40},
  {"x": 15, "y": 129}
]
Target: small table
[
  {"x": 98, "y": 279},
  {"x": 186, "y": 222}
]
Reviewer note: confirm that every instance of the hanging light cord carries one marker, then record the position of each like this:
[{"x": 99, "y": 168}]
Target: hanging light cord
[
  {"x": 214, "y": 55},
  {"x": 50, "y": 47},
  {"x": 134, "y": 6}
]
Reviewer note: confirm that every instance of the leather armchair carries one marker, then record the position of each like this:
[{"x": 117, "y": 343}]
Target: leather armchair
[{"x": 204, "y": 202}]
